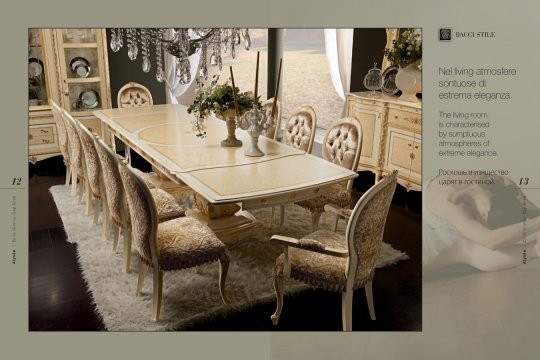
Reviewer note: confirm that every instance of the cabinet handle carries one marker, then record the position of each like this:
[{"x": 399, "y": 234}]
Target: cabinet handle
[
  {"x": 409, "y": 145},
  {"x": 44, "y": 131},
  {"x": 416, "y": 147},
  {"x": 30, "y": 136},
  {"x": 412, "y": 156}
]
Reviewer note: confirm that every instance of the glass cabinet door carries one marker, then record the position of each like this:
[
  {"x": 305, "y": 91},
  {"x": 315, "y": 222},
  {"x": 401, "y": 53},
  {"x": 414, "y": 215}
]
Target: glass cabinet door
[
  {"x": 83, "y": 70},
  {"x": 38, "y": 91}
]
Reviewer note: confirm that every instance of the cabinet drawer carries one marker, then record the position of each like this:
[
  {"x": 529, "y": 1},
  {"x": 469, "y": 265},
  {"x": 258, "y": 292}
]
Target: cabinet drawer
[
  {"x": 408, "y": 120},
  {"x": 39, "y": 135}
]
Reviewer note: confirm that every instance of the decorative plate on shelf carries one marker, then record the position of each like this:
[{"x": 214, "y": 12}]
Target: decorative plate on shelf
[
  {"x": 80, "y": 67},
  {"x": 389, "y": 80},
  {"x": 35, "y": 67},
  {"x": 88, "y": 99}
]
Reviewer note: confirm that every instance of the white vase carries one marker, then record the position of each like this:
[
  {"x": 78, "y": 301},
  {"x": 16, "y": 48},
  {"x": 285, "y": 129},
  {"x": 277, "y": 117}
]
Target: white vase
[{"x": 409, "y": 81}]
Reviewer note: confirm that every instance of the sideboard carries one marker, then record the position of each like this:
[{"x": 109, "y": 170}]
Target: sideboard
[{"x": 392, "y": 136}]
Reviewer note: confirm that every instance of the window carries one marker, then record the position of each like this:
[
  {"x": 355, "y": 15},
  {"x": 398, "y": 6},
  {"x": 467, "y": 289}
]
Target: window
[
  {"x": 245, "y": 63},
  {"x": 306, "y": 77}
]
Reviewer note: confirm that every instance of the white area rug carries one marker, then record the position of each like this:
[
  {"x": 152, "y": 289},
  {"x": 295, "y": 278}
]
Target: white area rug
[{"x": 188, "y": 296}]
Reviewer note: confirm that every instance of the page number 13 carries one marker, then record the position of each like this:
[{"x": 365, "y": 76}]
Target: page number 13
[{"x": 524, "y": 181}]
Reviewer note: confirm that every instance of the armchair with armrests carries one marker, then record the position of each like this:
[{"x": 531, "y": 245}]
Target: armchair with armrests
[{"x": 339, "y": 263}]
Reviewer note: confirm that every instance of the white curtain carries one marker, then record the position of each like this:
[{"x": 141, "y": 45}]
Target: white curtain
[
  {"x": 176, "y": 92},
  {"x": 338, "y": 44}
]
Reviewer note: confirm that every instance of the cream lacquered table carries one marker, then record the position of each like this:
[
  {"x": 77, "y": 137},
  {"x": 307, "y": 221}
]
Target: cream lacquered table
[{"x": 163, "y": 135}]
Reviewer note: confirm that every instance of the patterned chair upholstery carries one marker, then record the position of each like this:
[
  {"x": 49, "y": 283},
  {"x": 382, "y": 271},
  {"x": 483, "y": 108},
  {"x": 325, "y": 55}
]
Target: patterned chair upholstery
[
  {"x": 75, "y": 155},
  {"x": 116, "y": 206},
  {"x": 134, "y": 95},
  {"x": 341, "y": 145},
  {"x": 339, "y": 263},
  {"x": 62, "y": 137},
  {"x": 93, "y": 172},
  {"x": 299, "y": 130},
  {"x": 171, "y": 245},
  {"x": 273, "y": 133}
]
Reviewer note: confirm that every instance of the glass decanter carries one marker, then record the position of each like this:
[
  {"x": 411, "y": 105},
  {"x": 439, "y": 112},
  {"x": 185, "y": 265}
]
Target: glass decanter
[{"x": 373, "y": 81}]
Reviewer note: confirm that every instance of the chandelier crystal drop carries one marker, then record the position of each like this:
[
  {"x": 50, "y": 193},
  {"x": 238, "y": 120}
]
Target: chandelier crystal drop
[{"x": 181, "y": 43}]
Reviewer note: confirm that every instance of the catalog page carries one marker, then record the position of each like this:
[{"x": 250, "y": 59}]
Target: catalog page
[{"x": 275, "y": 180}]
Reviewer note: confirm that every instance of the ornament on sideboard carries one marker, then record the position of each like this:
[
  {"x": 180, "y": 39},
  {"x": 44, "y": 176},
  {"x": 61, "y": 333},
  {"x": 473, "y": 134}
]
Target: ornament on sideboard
[
  {"x": 406, "y": 53},
  {"x": 373, "y": 81}
]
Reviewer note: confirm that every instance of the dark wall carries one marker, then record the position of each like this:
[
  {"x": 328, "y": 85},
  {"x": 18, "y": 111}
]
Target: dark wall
[
  {"x": 368, "y": 47},
  {"x": 122, "y": 70}
]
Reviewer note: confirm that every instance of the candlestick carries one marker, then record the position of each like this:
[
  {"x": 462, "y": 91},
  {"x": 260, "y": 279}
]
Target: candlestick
[
  {"x": 234, "y": 93},
  {"x": 276, "y": 93},
  {"x": 256, "y": 78}
]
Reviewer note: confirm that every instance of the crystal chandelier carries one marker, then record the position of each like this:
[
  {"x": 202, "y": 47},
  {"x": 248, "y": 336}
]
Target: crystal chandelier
[{"x": 180, "y": 43}]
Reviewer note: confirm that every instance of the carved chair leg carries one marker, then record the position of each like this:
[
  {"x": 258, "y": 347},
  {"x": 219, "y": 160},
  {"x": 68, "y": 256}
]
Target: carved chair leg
[
  {"x": 89, "y": 201},
  {"x": 105, "y": 231},
  {"x": 157, "y": 293},
  {"x": 346, "y": 310},
  {"x": 315, "y": 216},
  {"x": 68, "y": 174},
  {"x": 223, "y": 269},
  {"x": 369, "y": 297},
  {"x": 336, "y": 219},
  {"x": 142, "y": 273},
  {"x": 281, "y": 216},
  {"x": 116, "y": 234},
  {"x": 97, "y": 210},
  {"x": 278, "y": 287},
  {"x": 74, "y": 181},
  {"x": 127, "y": 251}
]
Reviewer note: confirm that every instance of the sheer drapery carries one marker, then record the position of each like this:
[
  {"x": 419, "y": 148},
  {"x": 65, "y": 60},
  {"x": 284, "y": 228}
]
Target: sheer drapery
[
  {"x": 176, "y": 92},
  {"x": 338, "y": 46}
]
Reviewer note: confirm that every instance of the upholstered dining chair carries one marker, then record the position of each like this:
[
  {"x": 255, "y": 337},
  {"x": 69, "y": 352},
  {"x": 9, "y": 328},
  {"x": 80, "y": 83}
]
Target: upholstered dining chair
[
  {"x": 133, "y": 95},
  {"x": 342, "y": 145},
  {"x": 62, "y": 137},
  {"x": 299, "y": 130},
  {"x": 335, "y": 262},
  {"x": 116, "y": 205},
  {"x": 94, "y": 186},
  {"x": 176, "y": 244},
  {"x": 76, "y": 160},
  {"x": 274, "y": 132}
]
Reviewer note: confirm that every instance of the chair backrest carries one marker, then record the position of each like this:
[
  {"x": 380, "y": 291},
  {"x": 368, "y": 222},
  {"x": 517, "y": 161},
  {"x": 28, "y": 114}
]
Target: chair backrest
[
  {"x": 143, "y": 212},
  {"x": 267, "y": 107},
  {"x": 75, "y": 147},
  {"x": 365, "y": 229},
  {"x": 91, "y": 158},
  {"x": 299, "y": 130},
  {"x": 112, "y": 182},
  {"x": 342, "y": 144},
  {"x": 134, "y": 95},
  {"x": 62, "y": 131}
]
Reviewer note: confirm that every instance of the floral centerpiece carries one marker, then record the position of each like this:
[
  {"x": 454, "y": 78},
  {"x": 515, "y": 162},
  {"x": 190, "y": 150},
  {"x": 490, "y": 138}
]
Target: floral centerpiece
[
  {"x": 407, "y": 54},
  {"x": 407, "y": 48},
  {"x": 217, "y": 99}
]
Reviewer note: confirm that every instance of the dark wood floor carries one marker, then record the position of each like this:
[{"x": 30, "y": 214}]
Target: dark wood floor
[{"x": 59, "y": 300}]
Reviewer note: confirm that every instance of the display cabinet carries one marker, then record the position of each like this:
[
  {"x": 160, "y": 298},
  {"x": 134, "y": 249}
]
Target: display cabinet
[
  {"x": 392, "y": 136},
  {"x": 83, "y": 70},
  {"x": 42, "y": 87},
  {"x": 70, "y": 67}
]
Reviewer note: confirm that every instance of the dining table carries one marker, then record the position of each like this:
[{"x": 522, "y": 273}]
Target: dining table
[{"x": 226, "y": 181}]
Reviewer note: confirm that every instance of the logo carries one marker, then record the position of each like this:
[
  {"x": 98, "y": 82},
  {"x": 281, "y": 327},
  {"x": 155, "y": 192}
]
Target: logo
[{"x": 445, "y": 34}]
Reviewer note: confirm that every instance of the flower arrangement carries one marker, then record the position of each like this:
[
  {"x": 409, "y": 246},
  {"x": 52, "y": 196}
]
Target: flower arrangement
[
  {"x": 216, "y": 98},
  {"x": 407, "y": 48}
]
